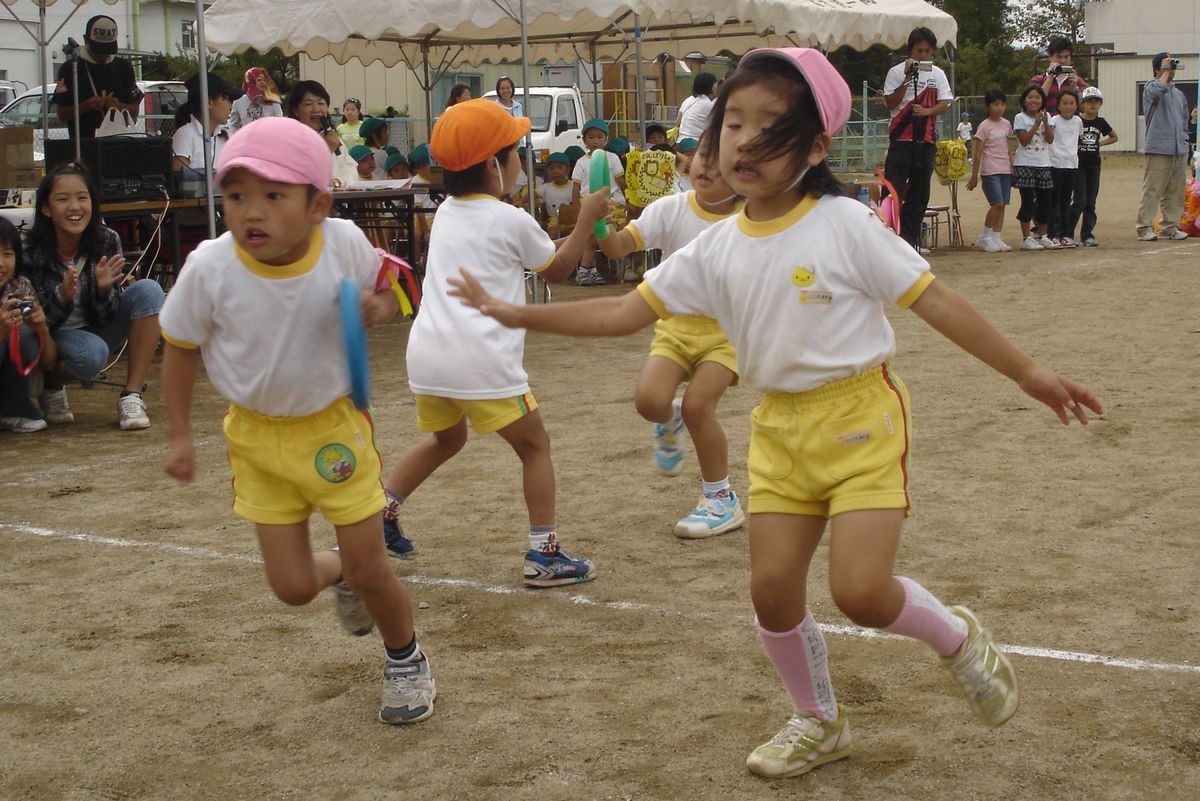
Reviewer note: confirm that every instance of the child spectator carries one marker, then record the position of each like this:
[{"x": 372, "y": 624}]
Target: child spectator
[
  {"x": 799, "y": 280},
  {"x": 557, "y": 192},
  {"x": 374, "y": 131},
  {"x": 964, "y": 127},
  {"x": 418, "y": 163},
  {"x": 1031, "y": 169},
  {"x": 1064, "y": 161},
  {"x": 574, "y": 153},
  {"x": 994, "y": 162},
  {"x": 655, "y": 135},
  {"x": 76, "y": 267},
  {"x": 685, "y": 150},
  {"x": 463, "y": 366},
  {"x": 397, "y": 167},
  {"x": 364, "y": 157},
  {"x": 595, "y": 137},
  {"x": 255, "y": 305},
  {"x": 688, "y": 349},
  {"x": 20, "y": 311},
  {"x": 1095, "y": 134},
  {"x": 349, "y": 130}
]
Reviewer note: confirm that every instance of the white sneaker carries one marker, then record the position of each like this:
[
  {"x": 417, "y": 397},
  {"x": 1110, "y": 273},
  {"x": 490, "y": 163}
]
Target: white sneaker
[
  {"x": 1147, "y": 236},
  {"x": 1048, "y": 244},
  {"x": 631, "y": 275},
  {"x": 408, "y": 692},
  {"x": 22, "y": 425},
  {"x": 1068, "y": 242},
  {"x": 131, "y": 410},
  {"x": 982, "y": 241},
  {"x": 1029, "y": 243},
  {"x": 55, "y": 407},
  {"x": 1177, "y": 234},
  {"x": 1000, "y": 244}
]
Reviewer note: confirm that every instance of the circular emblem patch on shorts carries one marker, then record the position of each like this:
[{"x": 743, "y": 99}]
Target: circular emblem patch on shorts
[{"x": 335, "y": 463}]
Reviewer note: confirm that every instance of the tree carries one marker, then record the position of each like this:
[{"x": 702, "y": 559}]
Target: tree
[
  {"x": 181, "y": 66},
  {"x": 1038, "y": 23},
  {"x": 979, "y": 21}
]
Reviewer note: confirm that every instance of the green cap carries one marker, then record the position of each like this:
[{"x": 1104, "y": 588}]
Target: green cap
[
  {"x": 391, "y": 150},
  {"x": 393, "y": 160},
  {"x": 687, "y": 145},
  {"x": 598, "y": 124},
  {"x": 559, "y": 158},
  {"x": 574, "y": 153},
  {"x": 369, "y": 126},
  {"x": 419, "y": 155},
  {"x": 361, "y": 152},
  {"x": 618, "y": 145}
]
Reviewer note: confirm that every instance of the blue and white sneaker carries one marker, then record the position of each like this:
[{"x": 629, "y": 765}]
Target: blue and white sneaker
[
  {"x": 668, "y": 452},
  {"x": 715, "y": 515},
  {"x": 398, "y": 545},
  {"x": 557, "y": 568}
]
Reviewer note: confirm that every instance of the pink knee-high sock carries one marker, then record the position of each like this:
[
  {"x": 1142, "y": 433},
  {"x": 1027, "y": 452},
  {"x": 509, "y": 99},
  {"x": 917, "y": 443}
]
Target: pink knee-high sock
[
  {"x": 800, "y": 660},
  {"x": 928, "y": 620}
]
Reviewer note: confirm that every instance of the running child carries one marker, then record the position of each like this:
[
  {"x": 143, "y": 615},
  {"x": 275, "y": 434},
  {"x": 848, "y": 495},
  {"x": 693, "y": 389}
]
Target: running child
[
  {"x": 463, "y": 366},
  {"x": 1096, "y": 134},
  {"x": 595, "y": 137},
  {"x": 1064, "y": 162},
  {"x": 798, "y": 280},
  {"x": 258, "y": 306},
  {"x": 688, "y": 348},
  {"x": 1031, "y": 169},
  {"x": 993, "y": 160}
]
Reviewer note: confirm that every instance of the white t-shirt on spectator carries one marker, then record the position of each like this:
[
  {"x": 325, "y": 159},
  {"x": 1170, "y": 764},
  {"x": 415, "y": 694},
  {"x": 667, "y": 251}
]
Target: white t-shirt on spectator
[
  {"x": 1037, "y": 152},
  {"x": 582, "y": 175},
  {"x": 188, "y": 143},
  {"x": 693, "y": 116},
  {"x": 1064, "y": 150}
]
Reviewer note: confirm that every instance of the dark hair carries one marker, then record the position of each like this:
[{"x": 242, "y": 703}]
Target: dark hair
[
  {"x": 1069, "y": 93},
  {"x": 1029, "y": 90},
  {"x": 10, "y": 236},
  {"x": 457, "y": 90},
  {"x": 793, "y": 133},
  {"x": 663, "y": 146},
  {"x": 921, "y": 34},
  {"x": 299, "y": 90},
  {"x": 993, "y": 95},
  {"x": 1060, "y": 44},
  {"x": 501, "y": 80},
  {"x": 474, "y": 178},
  {"x": 43, "y": 235},
  {"x": 357, "y": 104},
  {"x": 373, "y": 138},
  {"x": 655, "y": 127},
  {"x": 703, "y": 84}
]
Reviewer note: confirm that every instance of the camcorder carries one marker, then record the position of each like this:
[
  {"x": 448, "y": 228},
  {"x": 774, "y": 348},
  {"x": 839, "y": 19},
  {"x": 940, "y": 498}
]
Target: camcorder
[
  {"x": 1171, "y": 64},
  {"x": 921, "y": 66},
  {"x": 1062, "y": 69}
]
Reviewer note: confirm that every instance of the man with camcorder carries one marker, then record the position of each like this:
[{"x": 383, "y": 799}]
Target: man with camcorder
[
  {"x": 1059, "y": 74},
  {"x": 916, "y": 92},
  {"x": 1166, "y": 111}
]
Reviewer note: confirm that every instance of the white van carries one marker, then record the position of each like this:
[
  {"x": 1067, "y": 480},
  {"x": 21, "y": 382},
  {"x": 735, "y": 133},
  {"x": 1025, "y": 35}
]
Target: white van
[{"x": 556, "y": 113}]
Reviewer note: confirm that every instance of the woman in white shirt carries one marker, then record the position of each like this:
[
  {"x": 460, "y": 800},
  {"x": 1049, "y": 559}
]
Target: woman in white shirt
[
  {"x": 187, "y": 145},
  {"x": 505, "y": 89},
  {"x": 693, "y": 112}
]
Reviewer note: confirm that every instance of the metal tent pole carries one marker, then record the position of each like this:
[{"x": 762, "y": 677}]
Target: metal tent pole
[
  {"x": 637, "y": 54},
  {"x": 202, "y": 64},
  {"x": 535, "y": 283}
]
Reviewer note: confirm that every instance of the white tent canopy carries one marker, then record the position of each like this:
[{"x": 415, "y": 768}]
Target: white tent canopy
[{"x": 472, "y": 31}]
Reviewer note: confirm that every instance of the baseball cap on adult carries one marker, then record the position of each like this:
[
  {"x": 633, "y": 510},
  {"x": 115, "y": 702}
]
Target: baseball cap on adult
[
  {"x": 100, "y": 33},
  {"x": 472, "y": 132},
  {"x": 829, "y": 88},
  {"x": 279, "y": 149}
]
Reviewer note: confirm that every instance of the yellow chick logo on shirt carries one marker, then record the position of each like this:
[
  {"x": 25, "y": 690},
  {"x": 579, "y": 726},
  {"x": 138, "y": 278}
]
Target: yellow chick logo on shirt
[{"x": 802, "y": 277}]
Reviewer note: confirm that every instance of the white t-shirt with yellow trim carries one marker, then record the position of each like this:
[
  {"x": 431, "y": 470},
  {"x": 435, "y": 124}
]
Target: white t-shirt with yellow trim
[
  {"x": 800, "y": 297},
  {"x": 270, "y": 336},
  {"x": 582, "y": 175},
  {"x": 669, "y": 224},
  {"x": 453, "y": 350}
]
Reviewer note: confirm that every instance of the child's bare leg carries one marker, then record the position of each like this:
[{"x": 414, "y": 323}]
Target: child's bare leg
[
  {"x": 295, "y": 573},
  {"x": 994, "y": 218},
  {"x": 365, "y": 569},
  {"x": 781, "y": 550},
  {"x": 862, "y": 552},
  {"x": 700, "y": 416},
  {"x": 529, "y": 439},
  {"x": 421, "y": 460},
  {"x": 656, "y": 386}
]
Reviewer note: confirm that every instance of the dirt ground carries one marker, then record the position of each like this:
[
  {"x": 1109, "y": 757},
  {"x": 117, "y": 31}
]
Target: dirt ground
[{"x": 145, "y": 658}]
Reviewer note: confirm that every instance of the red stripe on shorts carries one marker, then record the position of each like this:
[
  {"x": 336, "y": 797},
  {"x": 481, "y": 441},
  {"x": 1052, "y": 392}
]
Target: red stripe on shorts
[{"x": 887, "y": 377}]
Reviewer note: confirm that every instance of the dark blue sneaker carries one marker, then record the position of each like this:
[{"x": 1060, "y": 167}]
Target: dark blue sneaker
[
  {"x": 554, "y": 569},
  {"x": 398, "y": 545}
]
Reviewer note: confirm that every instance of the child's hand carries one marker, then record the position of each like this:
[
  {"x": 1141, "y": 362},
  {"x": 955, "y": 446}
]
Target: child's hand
[
  {"x": 108, "y": 271},
  {"x": 594, "y": 207},
  {"x": 181, "y": 460},
  {"x": 69, "y": 286},
  {"x": 1060, "y": 394},
  {"x": 972, "y": 183},
  {"x": 472, "y": 294},
  {"x": 10, "y": 316},
  {"x": 378, "y": 307},
  {"x": 37, "y": 318}
]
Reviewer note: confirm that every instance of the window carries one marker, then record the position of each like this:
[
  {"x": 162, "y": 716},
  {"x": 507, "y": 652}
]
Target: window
[
  {"x": 187, "y": 34},
  {"x": 568, "y": 117}
]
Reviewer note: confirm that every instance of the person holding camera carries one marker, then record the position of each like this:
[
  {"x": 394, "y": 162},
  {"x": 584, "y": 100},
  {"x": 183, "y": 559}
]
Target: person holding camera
[
  {"x": 22, "y": 321},
  {"x": 916, "y": 93},
  {"x": 105, "y": 81},
  {"x": 1166, "y": 110},
  {"x": 1059, "y": 74}
]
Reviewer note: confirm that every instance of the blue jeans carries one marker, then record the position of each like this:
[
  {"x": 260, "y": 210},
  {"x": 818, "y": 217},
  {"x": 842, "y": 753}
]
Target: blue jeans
[
  {"x": 14, "y": 387},
  {"x": 84, "y": 351}
]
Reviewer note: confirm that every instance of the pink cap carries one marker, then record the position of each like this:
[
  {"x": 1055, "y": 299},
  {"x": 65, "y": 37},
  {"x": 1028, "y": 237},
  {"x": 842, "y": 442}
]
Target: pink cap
[
  {"x": 279, "y": 149},
  {"x": 828, "y": 86}
]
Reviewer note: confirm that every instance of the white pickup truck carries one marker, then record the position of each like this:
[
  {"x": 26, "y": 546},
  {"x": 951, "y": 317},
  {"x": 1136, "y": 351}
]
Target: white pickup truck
[{"x": 557, "y": 112}]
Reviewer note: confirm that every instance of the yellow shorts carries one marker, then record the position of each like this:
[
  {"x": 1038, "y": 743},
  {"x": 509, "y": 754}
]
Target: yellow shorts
[
  {"x": 839, "y": 448},
  {"x": 435, "y": 413},
  {"x": 284, "y": 467},
  {"x": 690, "y": 340}
]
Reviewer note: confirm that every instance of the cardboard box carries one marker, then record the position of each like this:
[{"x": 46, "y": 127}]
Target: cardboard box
[
  {"x": 16, "y": 149},
  {"x": 25, "y": 178}
]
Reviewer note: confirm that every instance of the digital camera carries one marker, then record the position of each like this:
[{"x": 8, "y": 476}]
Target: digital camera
[
  {"x": 25, "y": 307},
  {"x": 1171, "y": 64}
]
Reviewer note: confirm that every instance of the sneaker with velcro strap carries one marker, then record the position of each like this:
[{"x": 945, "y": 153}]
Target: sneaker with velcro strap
[
  {"x": 408, "y": 692},
  {"x": 715, "y": 514},
  {"x": 556, "y": 568},
  {"x": 805, "y": 742}
]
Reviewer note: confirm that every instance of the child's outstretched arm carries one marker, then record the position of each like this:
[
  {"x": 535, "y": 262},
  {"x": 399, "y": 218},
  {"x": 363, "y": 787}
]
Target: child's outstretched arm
[
  {"x": 618, "y": 244},
  {"x": 180, "y": 366},
  {"x": 600, "y": 317},
  {"x": 951, "y": 315},
  {"x": 593, "y": 208}
]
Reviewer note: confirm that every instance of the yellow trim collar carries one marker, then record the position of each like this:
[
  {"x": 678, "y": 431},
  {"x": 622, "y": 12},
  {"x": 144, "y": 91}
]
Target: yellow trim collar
[
  {"x": 316, "y": 243},
  {"x": 771, "y": 227}
]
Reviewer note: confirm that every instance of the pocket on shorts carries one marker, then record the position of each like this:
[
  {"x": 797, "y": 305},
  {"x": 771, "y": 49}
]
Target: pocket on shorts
[
  {"x": 862, "y": 442},
  {"x": 769, "y": 453}
]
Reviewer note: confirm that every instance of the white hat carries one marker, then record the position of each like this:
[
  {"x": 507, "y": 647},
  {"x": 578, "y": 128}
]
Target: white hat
[{"x": 1091, "y": 93}]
